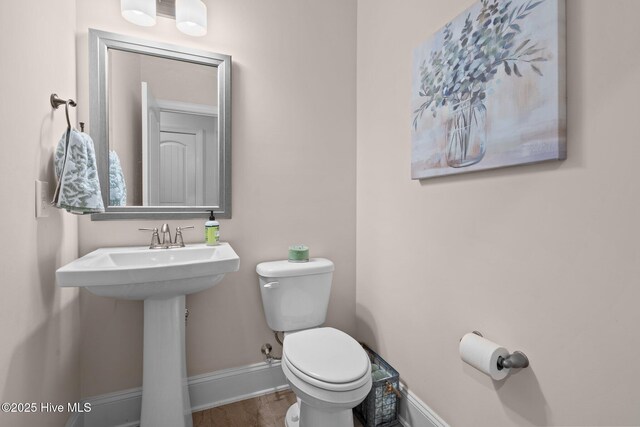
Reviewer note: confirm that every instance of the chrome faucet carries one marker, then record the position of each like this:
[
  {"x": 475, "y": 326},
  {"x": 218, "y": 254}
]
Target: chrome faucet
[
  {"x": 166, "y": 232},
  {"x": 167, "y": 242}
]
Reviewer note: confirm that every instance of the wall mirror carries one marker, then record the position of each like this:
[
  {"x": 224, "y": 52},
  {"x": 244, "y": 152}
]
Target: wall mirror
[{"x": 161, "y": 123}]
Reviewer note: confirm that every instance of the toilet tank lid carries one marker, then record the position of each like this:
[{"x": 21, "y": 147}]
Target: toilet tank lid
[{"x": 284, "y": 268}]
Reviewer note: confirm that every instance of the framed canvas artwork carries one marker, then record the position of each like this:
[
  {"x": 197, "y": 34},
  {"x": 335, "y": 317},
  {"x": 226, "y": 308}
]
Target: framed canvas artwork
[{"x": 488, "y": 89}]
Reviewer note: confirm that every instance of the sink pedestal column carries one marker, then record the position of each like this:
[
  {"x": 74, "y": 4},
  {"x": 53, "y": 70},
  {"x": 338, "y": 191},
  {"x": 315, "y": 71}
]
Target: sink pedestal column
[{"x": 165, "y": 395}]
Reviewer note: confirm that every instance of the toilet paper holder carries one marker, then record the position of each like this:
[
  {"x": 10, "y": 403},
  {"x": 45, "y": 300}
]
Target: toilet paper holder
[{"x": 515, "y": 360}]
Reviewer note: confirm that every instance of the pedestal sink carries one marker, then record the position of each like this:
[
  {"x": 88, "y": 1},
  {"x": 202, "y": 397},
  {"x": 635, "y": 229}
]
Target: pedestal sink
[{"x": 162, "y": 278}]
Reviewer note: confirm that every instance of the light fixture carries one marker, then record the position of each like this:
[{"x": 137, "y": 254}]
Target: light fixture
[
  {"x": 139, "y": 12},
  {"x": 191, "y": 17}
]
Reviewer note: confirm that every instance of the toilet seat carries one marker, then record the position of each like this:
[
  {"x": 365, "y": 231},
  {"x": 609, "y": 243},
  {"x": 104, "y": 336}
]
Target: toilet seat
[{"x": 326, "y": 358}]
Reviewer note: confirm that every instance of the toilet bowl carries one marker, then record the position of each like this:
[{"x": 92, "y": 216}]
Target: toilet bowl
[
  {"x": 330, "y": 374},
  {"x": 328, "y": 370}
]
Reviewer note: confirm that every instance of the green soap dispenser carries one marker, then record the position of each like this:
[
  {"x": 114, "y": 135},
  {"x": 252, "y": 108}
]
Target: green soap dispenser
[{"x": 212, "y": 231}]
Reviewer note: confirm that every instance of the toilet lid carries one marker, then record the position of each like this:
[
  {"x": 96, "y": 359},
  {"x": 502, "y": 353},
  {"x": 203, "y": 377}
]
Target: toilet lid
[{"x": 327, "y": 354}]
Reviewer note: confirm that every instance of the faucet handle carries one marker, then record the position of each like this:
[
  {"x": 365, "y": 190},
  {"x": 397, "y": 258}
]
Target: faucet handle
[
  {"x": 155, "y": 237},
  {"x": 179, "y": 240}
]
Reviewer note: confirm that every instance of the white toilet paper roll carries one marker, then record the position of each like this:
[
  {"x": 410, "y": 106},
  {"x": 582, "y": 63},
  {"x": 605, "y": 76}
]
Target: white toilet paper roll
[{"x": 483, "y": 355}]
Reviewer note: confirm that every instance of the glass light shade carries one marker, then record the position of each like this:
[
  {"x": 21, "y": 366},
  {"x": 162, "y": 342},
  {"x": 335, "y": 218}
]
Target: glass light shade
[
  {"x": 139, "y": 12},
  {"x": 191, "y": 17}
]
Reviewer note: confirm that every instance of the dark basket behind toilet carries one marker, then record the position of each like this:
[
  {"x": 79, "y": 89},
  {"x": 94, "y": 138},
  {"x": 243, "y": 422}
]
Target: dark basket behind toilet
[{"x": 380, "y": 407}]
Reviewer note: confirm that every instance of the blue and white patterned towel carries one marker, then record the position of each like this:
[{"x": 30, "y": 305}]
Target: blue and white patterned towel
[
  {"x": 117, "y": 184},
  {"x": 78, "y": 189}
]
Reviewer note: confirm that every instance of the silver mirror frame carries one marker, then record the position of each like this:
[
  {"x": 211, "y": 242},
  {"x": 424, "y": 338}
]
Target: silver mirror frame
[{"x": 99, "y": 43}]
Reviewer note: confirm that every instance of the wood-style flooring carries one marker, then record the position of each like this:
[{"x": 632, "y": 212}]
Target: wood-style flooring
[{"x": 261, "y": 411}]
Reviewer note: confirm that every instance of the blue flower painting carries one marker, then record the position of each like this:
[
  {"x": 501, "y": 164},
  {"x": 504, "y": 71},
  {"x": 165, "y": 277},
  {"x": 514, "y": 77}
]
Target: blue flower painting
[{"x": 489, "y": 89}]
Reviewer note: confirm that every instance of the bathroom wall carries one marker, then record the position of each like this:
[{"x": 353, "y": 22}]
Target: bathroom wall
[
  {"x": 541, "y": 258},
  {"x": 39, "y": 355},
  {"x": 293, "y": 106}
]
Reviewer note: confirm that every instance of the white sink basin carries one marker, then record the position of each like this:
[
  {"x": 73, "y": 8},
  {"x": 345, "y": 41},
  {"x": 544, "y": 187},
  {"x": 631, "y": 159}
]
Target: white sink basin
[
  {"x": 162, "y": 278},
  {"x": 139, "y": 272}
]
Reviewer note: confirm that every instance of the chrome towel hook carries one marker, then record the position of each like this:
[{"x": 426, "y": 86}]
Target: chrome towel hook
[{"x": 57, "y": 102}]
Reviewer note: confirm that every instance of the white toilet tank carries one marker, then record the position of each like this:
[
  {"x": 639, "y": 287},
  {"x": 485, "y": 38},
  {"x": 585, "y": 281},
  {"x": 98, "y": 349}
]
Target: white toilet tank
[{"x": 295, "y": 295}]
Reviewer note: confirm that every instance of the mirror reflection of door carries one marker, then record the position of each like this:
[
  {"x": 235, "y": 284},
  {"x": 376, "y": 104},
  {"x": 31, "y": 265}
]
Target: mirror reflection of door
[
  {"x": 164, "y": 127},
  {"x": 180, "y": 154}
]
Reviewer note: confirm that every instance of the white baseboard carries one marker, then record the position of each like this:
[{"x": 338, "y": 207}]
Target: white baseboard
[
  {"x": 415, "y": 413},
  {"x": 122, "y": 408},
  {"x": 232, "y": 385}
]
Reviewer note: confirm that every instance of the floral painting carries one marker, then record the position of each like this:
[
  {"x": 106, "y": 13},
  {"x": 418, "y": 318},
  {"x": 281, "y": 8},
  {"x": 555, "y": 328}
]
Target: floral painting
[{"x": 488, "y": 89}]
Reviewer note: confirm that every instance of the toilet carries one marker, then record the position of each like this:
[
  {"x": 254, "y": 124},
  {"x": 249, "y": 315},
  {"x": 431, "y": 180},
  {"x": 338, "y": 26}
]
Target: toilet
[{"x": 328, "y": 370}]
